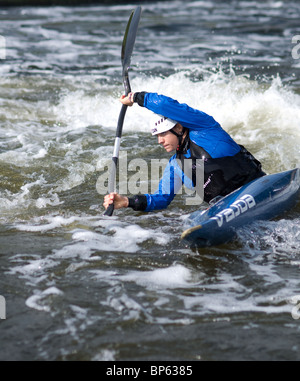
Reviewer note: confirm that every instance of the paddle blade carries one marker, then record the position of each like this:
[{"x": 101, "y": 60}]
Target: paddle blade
[
  {"x": 109, "y": 211},
  {"x": 129, "y": 37},
  {"x": 125, "y": 37}
]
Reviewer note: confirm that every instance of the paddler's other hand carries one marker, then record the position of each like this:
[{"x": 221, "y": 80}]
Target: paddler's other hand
[
  {"x": 116, "y": 199},
  {"x": 127, "y": 100}
]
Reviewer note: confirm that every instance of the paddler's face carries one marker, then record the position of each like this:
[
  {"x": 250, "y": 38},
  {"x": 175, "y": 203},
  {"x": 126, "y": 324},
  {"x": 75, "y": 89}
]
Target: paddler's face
[{"x": 168, "y": 140}]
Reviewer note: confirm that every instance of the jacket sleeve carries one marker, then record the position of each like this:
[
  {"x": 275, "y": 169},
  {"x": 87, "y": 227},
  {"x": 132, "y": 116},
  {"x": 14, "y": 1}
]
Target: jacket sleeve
[
  {"x": 169, "y": 185},
  {"x": 181, "y": 112}
]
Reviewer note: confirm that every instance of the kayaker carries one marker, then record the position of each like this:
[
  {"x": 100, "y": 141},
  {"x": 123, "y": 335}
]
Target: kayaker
[{"x": 193, "y": 134}]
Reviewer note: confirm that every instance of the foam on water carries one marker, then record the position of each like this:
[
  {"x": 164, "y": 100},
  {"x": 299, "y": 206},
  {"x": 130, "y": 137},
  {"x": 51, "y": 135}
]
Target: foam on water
[
  {"x": 41, "y": 224},
  {"x": 226, "y": 295},
  {"x": 159, "y": 281},
  {"x": 234, "y": 100},
  {"x": 250, "y": 111},
  {"x": 11, "y": 203},
  {"x": 38, "y": 300},
  {"x": 171, "y": 277},
  {"x": 281, "y": 238},
  {"x": 77, "y": 109}
]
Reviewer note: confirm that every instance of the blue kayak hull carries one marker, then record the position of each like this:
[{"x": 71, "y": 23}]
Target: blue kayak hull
[{"x": 262, "y": 199}]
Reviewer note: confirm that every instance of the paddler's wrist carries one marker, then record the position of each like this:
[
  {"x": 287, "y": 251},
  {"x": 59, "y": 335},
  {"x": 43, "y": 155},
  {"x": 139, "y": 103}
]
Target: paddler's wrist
[
  {"x": 131, "y": 98},
  {"x": 126, "y": 202}
]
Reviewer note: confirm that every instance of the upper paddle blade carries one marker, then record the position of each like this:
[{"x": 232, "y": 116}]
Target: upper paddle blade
[{"x": 129, "y": 37}]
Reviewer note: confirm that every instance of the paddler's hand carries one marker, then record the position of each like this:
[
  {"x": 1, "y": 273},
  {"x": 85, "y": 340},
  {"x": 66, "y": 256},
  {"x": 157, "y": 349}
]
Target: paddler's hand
[
  {"x": 127, "y": 100},
  {"x": 116, "y": 199}
]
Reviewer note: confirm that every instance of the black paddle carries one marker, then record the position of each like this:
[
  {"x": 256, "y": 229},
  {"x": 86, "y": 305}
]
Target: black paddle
[{"x": 127, "y": 48}]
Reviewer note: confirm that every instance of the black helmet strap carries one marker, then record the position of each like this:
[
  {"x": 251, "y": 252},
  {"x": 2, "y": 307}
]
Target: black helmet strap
[{"x": 179, "y": 136}]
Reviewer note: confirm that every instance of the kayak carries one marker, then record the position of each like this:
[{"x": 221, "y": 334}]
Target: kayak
[{"x": 262, "y": 199}]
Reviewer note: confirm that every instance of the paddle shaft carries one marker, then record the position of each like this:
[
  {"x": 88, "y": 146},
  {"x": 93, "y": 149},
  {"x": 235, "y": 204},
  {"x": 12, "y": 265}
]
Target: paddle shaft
[{"x": 127, "y": 48}]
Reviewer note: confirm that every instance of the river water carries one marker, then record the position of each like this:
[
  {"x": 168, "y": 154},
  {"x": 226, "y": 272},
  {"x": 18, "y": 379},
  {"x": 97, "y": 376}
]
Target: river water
[{"x": 81, "y": 286}]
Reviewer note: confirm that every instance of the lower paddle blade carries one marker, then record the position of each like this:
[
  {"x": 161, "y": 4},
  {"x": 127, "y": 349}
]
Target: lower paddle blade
[{"x": 109, "y": 211}]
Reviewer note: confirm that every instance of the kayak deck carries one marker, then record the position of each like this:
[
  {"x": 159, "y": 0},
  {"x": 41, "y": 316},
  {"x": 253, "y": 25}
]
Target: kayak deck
[{"x": 262, "y": 199}]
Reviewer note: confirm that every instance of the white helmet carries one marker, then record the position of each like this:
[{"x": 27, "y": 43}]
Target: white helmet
[{"x": 161, "y": 124}]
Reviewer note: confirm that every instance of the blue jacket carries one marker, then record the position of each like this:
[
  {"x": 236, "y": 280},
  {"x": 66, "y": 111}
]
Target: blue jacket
[{"x": 203, "y": 131}]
